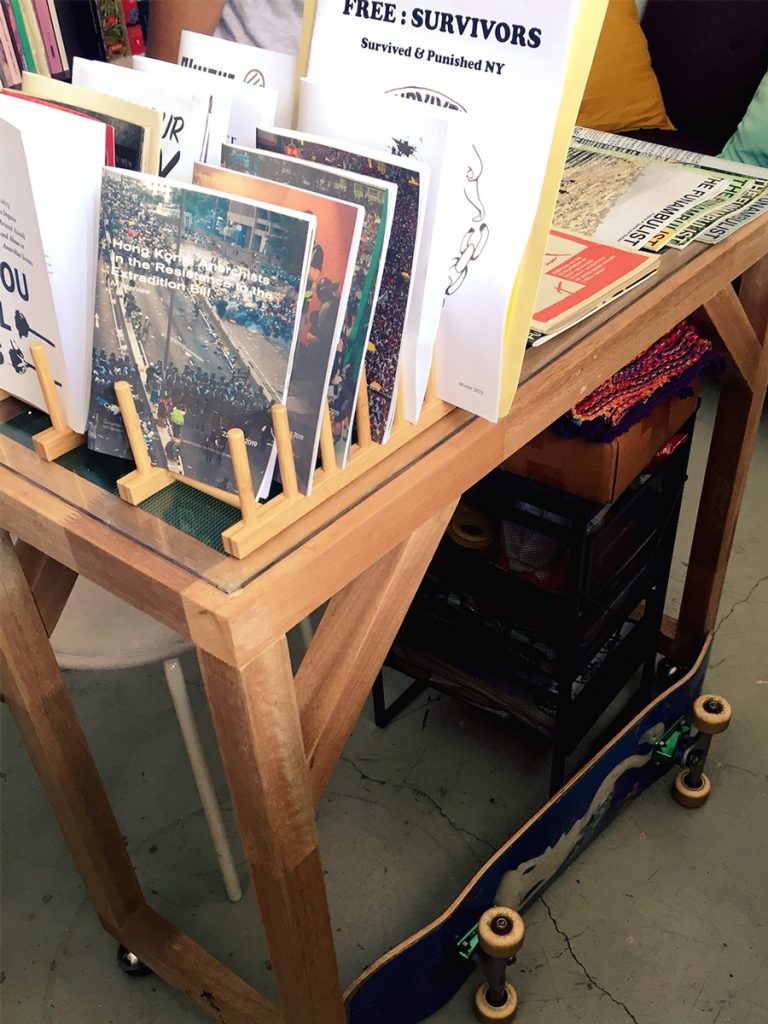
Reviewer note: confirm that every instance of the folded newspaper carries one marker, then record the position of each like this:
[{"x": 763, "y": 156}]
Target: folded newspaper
[{"x": 653, "y": 197}]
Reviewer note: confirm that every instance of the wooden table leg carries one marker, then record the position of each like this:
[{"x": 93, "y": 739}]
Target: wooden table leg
[
  {"x": 733, "y": 440},
  {"x": 257, "y": 723},
  {"x": 51, "y": 582},
  {"x": 53, "y": 736},
  {"x": 54, "y": 739},
  {"x": 339, "y": 668}
]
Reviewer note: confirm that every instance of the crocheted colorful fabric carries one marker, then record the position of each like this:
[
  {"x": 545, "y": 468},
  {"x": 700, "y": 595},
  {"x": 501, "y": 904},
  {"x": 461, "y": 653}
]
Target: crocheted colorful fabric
[{"x": 667, "y": 368}]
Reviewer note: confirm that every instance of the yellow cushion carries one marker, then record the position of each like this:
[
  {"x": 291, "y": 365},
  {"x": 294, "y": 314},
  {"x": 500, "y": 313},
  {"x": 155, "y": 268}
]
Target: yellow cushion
[{"x": 622, "y": 91}]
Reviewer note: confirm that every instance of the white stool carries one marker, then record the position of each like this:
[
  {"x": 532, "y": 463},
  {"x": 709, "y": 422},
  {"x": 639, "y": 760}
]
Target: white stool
[{"x": 99, "y": 632}]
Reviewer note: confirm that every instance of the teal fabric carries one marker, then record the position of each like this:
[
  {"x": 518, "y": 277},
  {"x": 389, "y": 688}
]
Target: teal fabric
[{"x": 749, "y": 143}]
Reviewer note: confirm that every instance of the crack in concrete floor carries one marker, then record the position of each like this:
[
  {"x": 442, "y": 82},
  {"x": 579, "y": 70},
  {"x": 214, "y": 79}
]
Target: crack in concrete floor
[
  {"x": 391, "y": 784},
  {"x": 590, "y": 977}
]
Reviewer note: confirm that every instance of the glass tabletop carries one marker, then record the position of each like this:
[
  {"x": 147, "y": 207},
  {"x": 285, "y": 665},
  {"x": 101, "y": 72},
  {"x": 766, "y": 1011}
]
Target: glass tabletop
[{"x": 184, "y": 526}]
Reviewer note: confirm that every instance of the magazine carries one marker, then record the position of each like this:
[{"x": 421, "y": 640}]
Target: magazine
[
  {"x": 378, "y": 199},
  {"x": 198, "y": 307},
  {"x": 324, "y": 325},
  {"x": 580, "y": 276},
  {"x": 746, "y": 186},
  {"x": 727, "y": 225},
  {"x": 620, "y": 198},
  {"x": 50, "y": 175},
  {"x": 253, "y": 66},
  {"x": 412, "y": 178}
]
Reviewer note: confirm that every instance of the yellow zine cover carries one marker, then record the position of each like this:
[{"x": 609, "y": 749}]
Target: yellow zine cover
[{"x": 583, "y": 43}]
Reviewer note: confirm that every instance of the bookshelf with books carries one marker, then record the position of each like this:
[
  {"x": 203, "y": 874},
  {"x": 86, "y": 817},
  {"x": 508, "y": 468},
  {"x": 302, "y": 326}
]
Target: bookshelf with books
[{"x": 44, "y": 36}]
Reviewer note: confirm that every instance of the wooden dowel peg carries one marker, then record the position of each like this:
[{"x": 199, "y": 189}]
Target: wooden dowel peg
[
  {"x": 242, "y": 470},
  {"x": 58, "y": 439},
  {"x": 282, "y": 512},
  {"x": 47, "y": 385},
  {"x": 146, "y": 479},
  {"x": 327, "y": 452},
  {"x": 363, "y": 415},
  {"x": 132, "y": 425},
  {"x": 284, "y": 450}
]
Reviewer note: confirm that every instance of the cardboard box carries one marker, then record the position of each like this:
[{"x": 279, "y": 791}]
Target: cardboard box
[{"x": 601, "y": 471}]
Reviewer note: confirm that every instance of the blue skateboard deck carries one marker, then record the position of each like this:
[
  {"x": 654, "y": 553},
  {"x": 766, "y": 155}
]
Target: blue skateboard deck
[{"x": 421, "y": 974}]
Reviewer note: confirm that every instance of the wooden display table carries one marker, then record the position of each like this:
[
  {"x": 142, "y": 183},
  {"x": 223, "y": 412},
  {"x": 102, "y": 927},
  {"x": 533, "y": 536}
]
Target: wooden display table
[{"x": 365, "y": 550}]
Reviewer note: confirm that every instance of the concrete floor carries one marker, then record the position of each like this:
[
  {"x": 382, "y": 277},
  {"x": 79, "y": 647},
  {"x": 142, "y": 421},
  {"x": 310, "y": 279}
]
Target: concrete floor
[{"x": 664, "y": 918}]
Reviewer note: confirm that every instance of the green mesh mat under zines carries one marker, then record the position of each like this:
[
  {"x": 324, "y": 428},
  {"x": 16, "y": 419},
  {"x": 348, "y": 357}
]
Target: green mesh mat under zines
[{"x": 194, "y": 513}]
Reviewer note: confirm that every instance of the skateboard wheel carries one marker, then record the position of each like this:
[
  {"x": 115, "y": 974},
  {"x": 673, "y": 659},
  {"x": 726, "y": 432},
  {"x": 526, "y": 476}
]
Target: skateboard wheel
[
  {"x": 500, "y": 933},
  {"x": 484, "y": 1011},
  {"x": 130, "y": 963},
  {"x": 685, "y": 795},
  {"x": 711, "y": 714}
]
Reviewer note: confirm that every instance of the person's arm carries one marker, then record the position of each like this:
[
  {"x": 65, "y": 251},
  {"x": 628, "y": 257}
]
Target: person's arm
[{"x": 167, "y": 18}]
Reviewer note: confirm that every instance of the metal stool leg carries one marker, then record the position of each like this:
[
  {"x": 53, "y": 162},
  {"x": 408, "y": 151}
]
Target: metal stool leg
[{"x": 178, "y": 690}]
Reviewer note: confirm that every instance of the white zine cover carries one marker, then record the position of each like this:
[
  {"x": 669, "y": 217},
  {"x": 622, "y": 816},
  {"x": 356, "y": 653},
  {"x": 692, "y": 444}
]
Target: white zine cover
[
  {"x": 250, "y": 66},
  {"x": 59, "y": 174},
  {"x": 194, "y": 122},
  {"x": 247, "y": 107},
  {"x": 25, "y": 289},
  {"x": 501, "y": 66},
  {"x": 422, "y": 133}
]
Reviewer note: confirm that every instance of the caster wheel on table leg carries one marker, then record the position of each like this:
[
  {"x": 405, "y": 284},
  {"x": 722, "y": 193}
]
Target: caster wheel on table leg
[
  {"x": 486, "y": 1012},
  {"x": 130, "y": 963},
  {"x": 711, "y": 714},
  {"x": 500, "y": 933},
  {"x": 688, "y": 796}
]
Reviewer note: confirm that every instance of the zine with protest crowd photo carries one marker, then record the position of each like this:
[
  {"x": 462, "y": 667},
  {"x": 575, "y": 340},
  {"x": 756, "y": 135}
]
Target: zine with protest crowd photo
[{"x": 198, "y": 307}]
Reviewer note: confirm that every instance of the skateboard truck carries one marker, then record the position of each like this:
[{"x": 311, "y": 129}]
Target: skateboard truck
[
  {"x": 687, "y": 742},
  {"x": 493, "y": 944}
]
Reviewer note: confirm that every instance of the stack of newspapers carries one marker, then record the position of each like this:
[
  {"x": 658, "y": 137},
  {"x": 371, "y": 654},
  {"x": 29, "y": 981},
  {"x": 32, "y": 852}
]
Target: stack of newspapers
[{"x": 621, "y": 203}]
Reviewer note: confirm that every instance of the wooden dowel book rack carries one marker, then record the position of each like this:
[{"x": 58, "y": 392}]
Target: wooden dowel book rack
[
  {"x": 259, "y": 522},
  {"x": 58, "y": 439}
]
